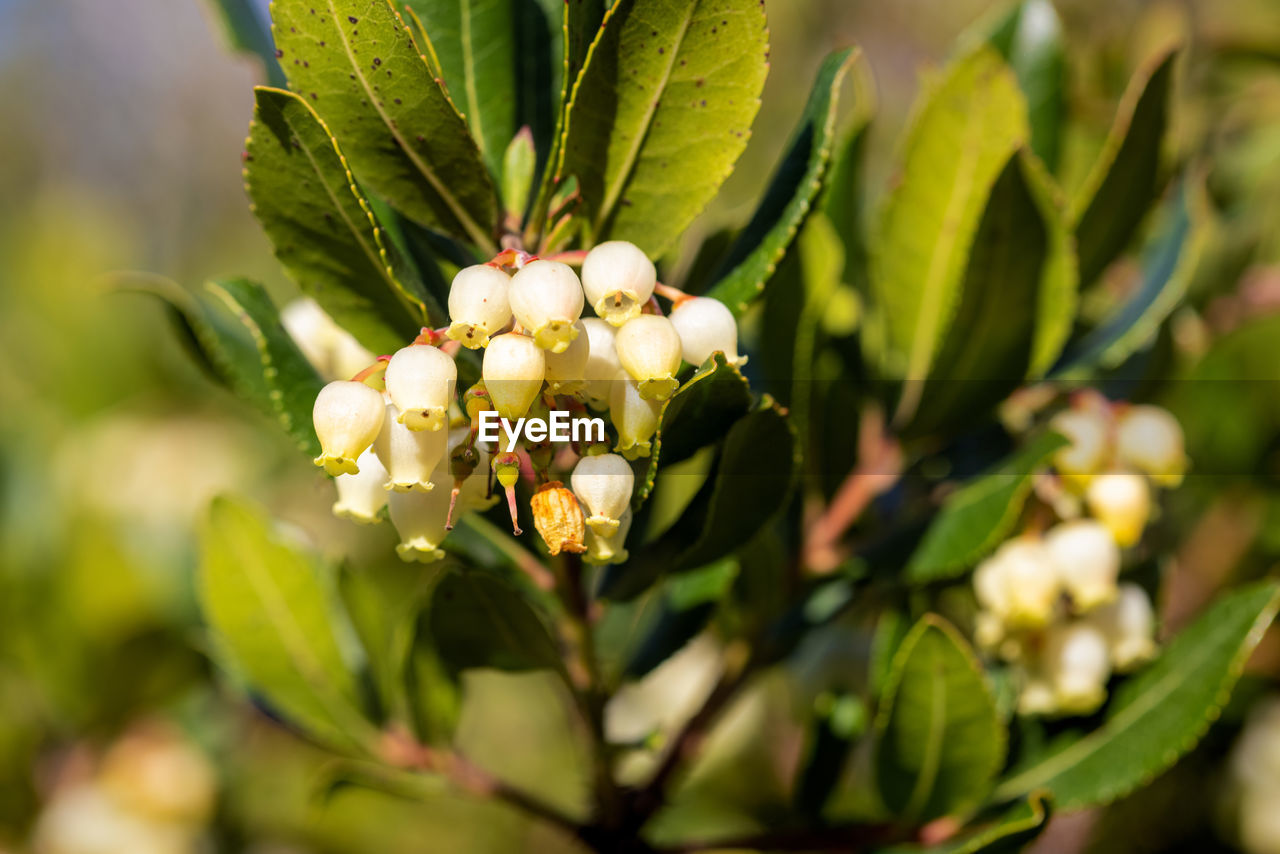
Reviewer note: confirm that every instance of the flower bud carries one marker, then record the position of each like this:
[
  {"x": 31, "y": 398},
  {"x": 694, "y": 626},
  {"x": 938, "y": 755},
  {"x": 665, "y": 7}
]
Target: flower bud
[
  {"x": 1122, "y": 502},
  {"x": 1019, "y": 584},
  {"x": 332, "y": 351},
  {"x": 603, "y": 549},
  {"x": 634, "y": 417},
  {"x": 347, "y": 417},
  {"x": 361, "y": 496},
  {"x": 603, "y": 366},
  {"x": 603, "y": 483},
  {"x": 1087, "y": 560},
  {"x": 618, "y": 279},
  {"x": 1037, "y": 697},
  {"x": 478, "y": 305},
  {"x": 419, "y": 518},
  {"x": 409, "y": 456},
  {"x": 513, "y": 370},
  {"x": 1149, "y": 439},
  {"x": 649, "y": 349},
  {"x": 706, "y": 326},
  {"x": 1077, "y": 663},
  {"x": 1088, "y": 429},
  {"x": 567, "y": 370},
  {"x": 547, "y": 300},
  {"x": 420, "y": 380},
  {"x": 1129, "y": 624},
  {"x": 558, "y": 518}
]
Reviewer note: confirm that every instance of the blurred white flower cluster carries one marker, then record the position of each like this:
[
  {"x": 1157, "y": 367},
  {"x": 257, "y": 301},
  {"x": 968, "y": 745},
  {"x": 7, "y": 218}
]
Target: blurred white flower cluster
[
  {"x": 1051, "y": 603},
  {"x": 398, "y": 428},
  {"x": 1255, "y": 775},
  {"x": 153, "y": 793}
]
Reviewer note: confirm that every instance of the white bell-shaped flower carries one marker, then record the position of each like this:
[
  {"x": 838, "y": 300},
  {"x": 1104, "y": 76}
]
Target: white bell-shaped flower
[
  {"x": 1087, "y": 560},
  {"x": 567, "y": 370},
  {"x": 603, "y": 366},
  {"x": 478, "y": 305},
  {"x": 347, "y": 417},
  {"x": 611, "y": 548},
  {"x": 634, "y": 416},
  {"x": 332, "y": 351},
  {"x": 618, "y": 279},
  {"x": 705, "y": 326},
  {"x": 420, "y": 379},
  {"x": 361, "y": 496},
  {"x": 1088, "y": 430},
  {"x": 1122, "y": 502},
  {"x": 603, "y": 483},
  {"x": 546, "y": 298},
  {"x": 409, "y": 456},
  {"x": 649, "y": 349},
  {"x": 513, "y": 370},
  {"x": 1150, "y": 440},
  {"x": 419, "y": 518},
  {"x": 474, "y": 494},
  {"x": 1019, "y": 583},
  {"x": 1129, "y": 624},
  {"x": 1037, "y": 696},
  {"x": 1077, "y": 663}
]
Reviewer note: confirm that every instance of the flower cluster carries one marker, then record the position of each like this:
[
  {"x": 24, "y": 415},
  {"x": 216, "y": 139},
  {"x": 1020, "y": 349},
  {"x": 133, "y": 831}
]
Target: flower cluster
[
  {"x": 1051, "y": 603},
  {"x": 400, "y": 435},
  {"x": 1255, "y": 779}
]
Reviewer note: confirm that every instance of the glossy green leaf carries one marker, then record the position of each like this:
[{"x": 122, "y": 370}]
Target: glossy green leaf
[
  {"x": 986, "y": 352},
  {"x": 475, "y": 42},
  {"x": 476, "y": 620},
  {"x": 975, "y": 519},
  {"x": 1159, "y": 715},
  {"x": 661, "y": 111},
  {"x": 1167, "y": 267},
  {"x": 697, "y": 415},
  {"x": 1059, "y": 291},
  {"x": 686, "y": 605},
  {"x": 235, "y": 332},
  {"x": 1029, "y": 37},
  {"x": 357, "y": 64},
  {"x": 323, "y": 230},
  {"x": 383, "y": 602},
  {"x": 968, "y": 127},
  {"x": 1126, "y": 176},
  {"x": 517, "y": 174},
  {"x": 938, "y": 741},
  {"x": 1009, "y": 832},
  {"x": 791, "y": 194},
  {"x": 247, "y": 30},
  {"x": 265, "y": 601}
]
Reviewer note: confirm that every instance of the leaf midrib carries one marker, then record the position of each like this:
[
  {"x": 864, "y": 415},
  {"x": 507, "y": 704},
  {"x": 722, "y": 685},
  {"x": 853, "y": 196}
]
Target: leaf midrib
[
  {"x": 624, "y": 174},
  {"x": 1130, "y": 714},
  {"x": 469, "y": 72},
  {"x": 933, "y": 743},
  {"x": 459, "y": 213}
]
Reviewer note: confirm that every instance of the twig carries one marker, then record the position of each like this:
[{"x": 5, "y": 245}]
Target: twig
[{"x": 878, "y": 469}]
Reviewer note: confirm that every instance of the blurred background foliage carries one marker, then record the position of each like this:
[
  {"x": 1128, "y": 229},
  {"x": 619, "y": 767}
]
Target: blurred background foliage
[{"x": 123, "y": 125}]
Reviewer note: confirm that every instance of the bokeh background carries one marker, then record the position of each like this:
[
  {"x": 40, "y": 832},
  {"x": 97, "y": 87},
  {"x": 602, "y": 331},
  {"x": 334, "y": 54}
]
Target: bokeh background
[{"x": 122, "y": 127}]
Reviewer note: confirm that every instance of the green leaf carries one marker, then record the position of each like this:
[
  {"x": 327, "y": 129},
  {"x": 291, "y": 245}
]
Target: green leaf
[
  {"x": 1161, "y": 714},
  {"x": 235, "y": 332},
  {"x": 246, "y": 28},
  {"x": 358, "y": 65},
  {"x": 383, "y": 601},
  {"x": 475, "y": 620},
  {"x": 1168, "y": 265},
  {"x": 1029, "y": 38},
  {"x": 517, "y": 174},
  {"x": 265, "y": 601},
  {"x": 974, "y": 520},
  {"x": 475, "y": 42},
  {"x": 966, "y": 130},
  {"x": 1011, "y": 831},
  {"x": 686, "y": 606},
  {"x": 1126, "y": 176},
  {"x": 987, "y": 349},
  {"x": 938, "y": 741},
  {"x": 661, "y": 111},
  {"x": 791, "y": 194},
  {"x": 698, "y": 414},
  {"x": 323, "y": 229},
  {"x": 1059, "y": 279}
]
